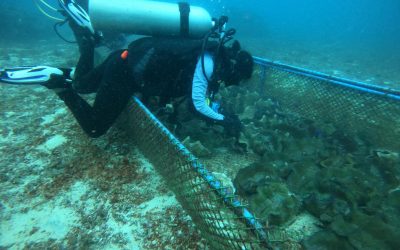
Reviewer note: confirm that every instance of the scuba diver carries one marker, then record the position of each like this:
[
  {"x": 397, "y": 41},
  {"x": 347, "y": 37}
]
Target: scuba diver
[{"x": 152, "y": 66}]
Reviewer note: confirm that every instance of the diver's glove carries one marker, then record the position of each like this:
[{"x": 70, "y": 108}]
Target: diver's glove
[{"x": 232, "y": 125}]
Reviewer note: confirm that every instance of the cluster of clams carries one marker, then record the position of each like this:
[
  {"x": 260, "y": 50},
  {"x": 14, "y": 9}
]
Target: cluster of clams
[{"x": 307, "y": 166}]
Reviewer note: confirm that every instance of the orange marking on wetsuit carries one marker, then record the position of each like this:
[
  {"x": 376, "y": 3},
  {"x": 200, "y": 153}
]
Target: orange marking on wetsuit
[{"x": 124, "y": 55}]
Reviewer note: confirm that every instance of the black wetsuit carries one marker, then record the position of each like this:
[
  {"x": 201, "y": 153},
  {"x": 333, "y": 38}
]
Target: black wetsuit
[
  {"x": 154, "y": 67},
  {"x": 162, "y": 67}
]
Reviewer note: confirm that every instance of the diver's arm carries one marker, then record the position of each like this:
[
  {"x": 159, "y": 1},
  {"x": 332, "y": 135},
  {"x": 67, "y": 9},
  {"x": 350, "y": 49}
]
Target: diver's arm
[{"x": 199, "y": 88}]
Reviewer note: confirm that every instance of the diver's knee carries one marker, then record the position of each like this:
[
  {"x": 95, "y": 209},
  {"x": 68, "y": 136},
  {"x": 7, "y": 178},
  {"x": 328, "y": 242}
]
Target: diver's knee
[{"x": 81, "y": 88}]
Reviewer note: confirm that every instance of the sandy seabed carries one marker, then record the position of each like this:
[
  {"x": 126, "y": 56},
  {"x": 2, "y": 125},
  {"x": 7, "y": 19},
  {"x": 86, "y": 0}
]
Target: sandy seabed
[{"x": 62, "y": 189}]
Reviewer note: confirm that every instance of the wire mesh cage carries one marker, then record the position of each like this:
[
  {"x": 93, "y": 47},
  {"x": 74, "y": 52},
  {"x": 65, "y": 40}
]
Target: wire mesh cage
[
  {"x": 220, "y": 216},
  {"x": 368, "y": 112}
]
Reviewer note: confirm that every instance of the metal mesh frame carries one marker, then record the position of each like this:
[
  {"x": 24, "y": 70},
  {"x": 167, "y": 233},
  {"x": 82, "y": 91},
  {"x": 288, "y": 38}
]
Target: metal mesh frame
[
  {"x": 220, "y": 216},
  {"x": 366, "y": 111}
]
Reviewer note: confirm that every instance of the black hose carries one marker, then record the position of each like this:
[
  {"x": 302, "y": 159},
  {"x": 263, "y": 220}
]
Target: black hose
[
  {"x": 203, "y": 50},
  {"x": 213, "y": 33},
  {"x": 55, "y": 27}
]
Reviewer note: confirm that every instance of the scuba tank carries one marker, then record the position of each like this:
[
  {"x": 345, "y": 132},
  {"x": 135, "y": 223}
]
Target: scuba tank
[
  {"x": 161, "y": 19},
  {"x": 151, "y": 18}
]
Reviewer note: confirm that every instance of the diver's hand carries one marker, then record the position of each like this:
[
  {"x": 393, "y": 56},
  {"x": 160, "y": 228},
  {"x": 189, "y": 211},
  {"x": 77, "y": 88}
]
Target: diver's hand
[{"x": 232, "y": 125}]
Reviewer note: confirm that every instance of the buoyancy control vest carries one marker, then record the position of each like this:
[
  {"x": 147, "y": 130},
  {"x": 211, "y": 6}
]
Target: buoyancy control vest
[{"x": 165, "y": 67}]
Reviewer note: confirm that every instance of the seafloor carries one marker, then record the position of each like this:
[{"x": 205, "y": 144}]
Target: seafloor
[
  {"x": 356, "y": 61},
  {"x": 61, "y": 189}
]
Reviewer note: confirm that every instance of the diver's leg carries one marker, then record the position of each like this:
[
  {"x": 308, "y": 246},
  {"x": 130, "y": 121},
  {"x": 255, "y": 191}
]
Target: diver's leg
[
  {"x": 87, "y": 78},
  {"x": 113, "y": 94},
  {"x": 86, "y": 49}
]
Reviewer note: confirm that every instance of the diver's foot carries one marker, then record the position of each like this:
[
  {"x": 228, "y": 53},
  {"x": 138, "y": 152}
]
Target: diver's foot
[
  {"x": 58, "y": 83},
  {"x": 80, "y": 23},
  {"x": 50, "y": 77},
  {"x": 75, "y": 13}
]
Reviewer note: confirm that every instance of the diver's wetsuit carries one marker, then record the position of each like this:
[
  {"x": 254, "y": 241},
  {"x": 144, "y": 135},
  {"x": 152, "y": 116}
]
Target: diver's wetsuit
[
  {"x": 110, "y": 80},
  {"x": 154, "y": 67}
]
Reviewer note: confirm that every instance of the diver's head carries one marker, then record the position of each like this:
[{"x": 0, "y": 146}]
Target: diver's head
[{"x": 238, "y": 65}]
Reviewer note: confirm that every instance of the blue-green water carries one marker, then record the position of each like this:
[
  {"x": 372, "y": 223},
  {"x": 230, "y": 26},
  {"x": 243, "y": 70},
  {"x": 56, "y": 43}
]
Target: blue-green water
[
  {"x": 358, "y": 39},
  {"x": 319, "y": 161}
]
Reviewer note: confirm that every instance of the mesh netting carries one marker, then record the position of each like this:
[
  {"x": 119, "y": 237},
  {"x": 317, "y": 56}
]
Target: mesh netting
[
  {"x": 373, "y": 117},
  {"x": 220, "y": 216}
]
